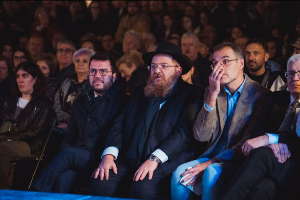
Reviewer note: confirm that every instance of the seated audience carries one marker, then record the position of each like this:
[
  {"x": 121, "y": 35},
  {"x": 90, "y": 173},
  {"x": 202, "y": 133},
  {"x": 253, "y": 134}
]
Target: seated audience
[
  {"x": 48, "y": 64},
  {"x": 72, "y": 88},
  {"x": 90, "y": 122},
  {"x": 202, "y": 66},
  {"x": 64, "y": 55},
  {"x": 259, "y": 68},
  {"x": 35, "y": 46},
  {"x": 25, "y": 118},
  {"x": 241, "y": 42},
  {"x": 147, "y": 40},
  {"x": 20, "y": 55},
  {"x": 224, "y": 123},
  {"x": 132, "y": 69},
  {"x": 204, "y": 47},
  {"x": 272, "y": 154},
  {"x": 131, "y": 42},
  {"x": 6, "y": 49},
  {"x": 109, "y": 45},
  {"x": 152, "y": 136},
  {"x": 134, "y": 20},
  {"x": 88, "y": 44}
]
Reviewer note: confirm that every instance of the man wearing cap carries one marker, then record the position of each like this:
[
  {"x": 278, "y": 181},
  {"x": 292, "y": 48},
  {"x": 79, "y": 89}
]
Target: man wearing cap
[
  {"x": 154, "y": 134},
  {"x": 231, "y": 100}
]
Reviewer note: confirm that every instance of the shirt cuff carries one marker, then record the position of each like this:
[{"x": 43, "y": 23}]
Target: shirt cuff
[
  {"x": 111, "y": 150},
  {"x": 273, "y": 138},
  {"x": 209, "y": 109},
  {"x": 161, "y": 155}
]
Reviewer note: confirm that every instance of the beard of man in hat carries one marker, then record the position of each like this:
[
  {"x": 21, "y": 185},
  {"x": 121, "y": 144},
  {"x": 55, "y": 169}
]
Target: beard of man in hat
[{"x": 165, "y": 71}]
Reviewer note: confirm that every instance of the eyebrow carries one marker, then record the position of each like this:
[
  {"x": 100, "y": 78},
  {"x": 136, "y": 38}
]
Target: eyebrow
[
  {"x": 160, "y": 63},
  {"x": 222, "y": 57}
]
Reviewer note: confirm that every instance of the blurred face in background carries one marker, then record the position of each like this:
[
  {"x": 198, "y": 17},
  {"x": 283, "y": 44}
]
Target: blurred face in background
[
  {"x": 3, "y": 70},
  {"x": 108, "y": 42},
  {"x": 35, "y": 46},
  {"x": 82, "y": 63},
  {"x": 88, "y": 45},
  {"x": 19, "y": 57},
  {"x": 65, "y": 54},
  {"x": 130, "y": 43},
  {"x": 132, "y": 9},
  {"x": 44, "y": 67},
  {"x": 75, "y": 9},
  {"x": 7, "y": 51}
]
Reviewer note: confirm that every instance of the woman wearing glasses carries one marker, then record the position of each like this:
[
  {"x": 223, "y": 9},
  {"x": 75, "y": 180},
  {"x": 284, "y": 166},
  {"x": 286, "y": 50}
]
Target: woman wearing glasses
[
  {"x": 71, "y": 88},
  {"x": 25, "y": 118}
]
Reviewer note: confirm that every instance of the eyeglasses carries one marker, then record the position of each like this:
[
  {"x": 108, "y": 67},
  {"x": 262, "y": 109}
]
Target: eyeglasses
[
  {"x": 65, "y": 50},
  {"x": 103, "y": 72},
  {"x": 291, "y": 74},
  {"x": 162, "y": 66},
  {"x": 224, "y": 62},
  {"x": 19, "y": 58}
]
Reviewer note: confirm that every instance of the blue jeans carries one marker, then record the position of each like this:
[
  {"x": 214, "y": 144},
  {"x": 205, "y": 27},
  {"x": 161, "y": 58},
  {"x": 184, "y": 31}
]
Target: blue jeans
[{"x": 208, "y": 183}]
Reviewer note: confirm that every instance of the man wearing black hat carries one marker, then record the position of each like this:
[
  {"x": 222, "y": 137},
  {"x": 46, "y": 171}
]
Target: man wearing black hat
[{"x": 154, "y": 134}]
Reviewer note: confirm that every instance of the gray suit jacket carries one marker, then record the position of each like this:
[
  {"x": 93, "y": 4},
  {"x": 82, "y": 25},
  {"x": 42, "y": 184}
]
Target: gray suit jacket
[{"x": 209, "y": 126}]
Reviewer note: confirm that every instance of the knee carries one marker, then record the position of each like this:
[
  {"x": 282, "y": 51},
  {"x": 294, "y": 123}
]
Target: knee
[
  {"x": 97, "y": 187},
  {"x": 211, "y": 174},
  {"x": 260, "y": 153}
]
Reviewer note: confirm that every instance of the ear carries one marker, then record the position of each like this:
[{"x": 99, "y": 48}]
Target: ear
[
  {"x": 241, "y": 62},
  {"x": 179, "y": 70},
  {"x": 267, "y": 56},
  {"x": 114, "y": 77}
]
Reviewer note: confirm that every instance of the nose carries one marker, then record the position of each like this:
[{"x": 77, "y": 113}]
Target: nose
[
  {"x": 296, "y": 76},
  {"x": 251, "y": 56},
  {"x": 157, "y": 69}
]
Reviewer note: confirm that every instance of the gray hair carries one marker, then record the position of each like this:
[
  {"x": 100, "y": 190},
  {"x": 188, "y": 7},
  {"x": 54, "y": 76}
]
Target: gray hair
[
  {"x": 237, "y": 50},
  {"x": 293, "y": 59},
  {"x": 65, "y": 41},
  {"x": 83, "y": 51},
  {"x": 134, "y": 34},
  {"x": 191, "y": 35}
]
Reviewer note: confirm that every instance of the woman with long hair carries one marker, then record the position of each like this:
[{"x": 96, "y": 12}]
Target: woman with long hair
[{"x": 25, "y": 118}]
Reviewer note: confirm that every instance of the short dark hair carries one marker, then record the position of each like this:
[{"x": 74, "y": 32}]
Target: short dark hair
[
  {"x": 23, "y": 50},
  {"x": 258, "y": 41},
  {"x": 8, "y": 63},
  {"x": 237, "y": 50},
  {"x": 39, "y": 88},
  {"x": 103, "y": 56}
]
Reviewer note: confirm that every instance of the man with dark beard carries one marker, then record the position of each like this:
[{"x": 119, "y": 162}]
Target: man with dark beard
[
  {"x": 258, "y": 66},
  {"x": 91, "y": 119},
  {"x": 154, "y": 134}
]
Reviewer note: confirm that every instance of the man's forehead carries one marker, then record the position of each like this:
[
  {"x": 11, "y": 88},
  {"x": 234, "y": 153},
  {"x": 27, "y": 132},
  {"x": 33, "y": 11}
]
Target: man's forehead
[
  {"x": 294, "y": 66},
  {"x": 65, "y": 46},
  {"x": 100, "y": 64},
  {"x": 226, "y": 52},
  {"x": 254, "y": 46}
]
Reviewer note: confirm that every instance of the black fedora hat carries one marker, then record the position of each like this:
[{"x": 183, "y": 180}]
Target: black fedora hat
[{"x": 173, "y": 50}]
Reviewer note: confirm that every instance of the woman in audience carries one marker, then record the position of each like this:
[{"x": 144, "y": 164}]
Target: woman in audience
[
  {"x": 168, "y": 26},
  {"x": 25, "y": 118},
  {"x": 71, "y": 88},
  {"x": 20, "y": 55},
  {"x": 48, "y": 64},
  {"x": 132, "y": 69},
  {"x": 6, "y": 48},
  {"x": 188, "y": 25}
]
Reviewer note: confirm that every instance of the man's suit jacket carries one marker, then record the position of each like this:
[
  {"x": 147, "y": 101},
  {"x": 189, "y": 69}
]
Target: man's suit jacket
[
  {"x": 173, "y": 128},
  {"x": 209, "y": 125},
  {"x": 91, "y": 120}
]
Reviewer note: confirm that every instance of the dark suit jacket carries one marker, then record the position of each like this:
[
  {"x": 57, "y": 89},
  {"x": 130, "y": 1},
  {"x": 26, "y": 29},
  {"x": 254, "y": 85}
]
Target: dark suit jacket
[
  {"x": 209, "y": 125},
  {"x": 173, "y": 129},
  {"x": 91, "y": 121}
]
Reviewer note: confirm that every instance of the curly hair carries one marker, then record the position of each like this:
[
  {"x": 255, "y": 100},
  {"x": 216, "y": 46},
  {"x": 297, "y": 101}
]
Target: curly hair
[
  {"x": 39, "y": 88},
  {"x": 49, "y": 59}
]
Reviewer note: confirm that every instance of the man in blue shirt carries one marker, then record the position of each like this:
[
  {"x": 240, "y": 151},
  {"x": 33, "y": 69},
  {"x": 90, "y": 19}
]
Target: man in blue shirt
[{"x": 231, "y": 99}]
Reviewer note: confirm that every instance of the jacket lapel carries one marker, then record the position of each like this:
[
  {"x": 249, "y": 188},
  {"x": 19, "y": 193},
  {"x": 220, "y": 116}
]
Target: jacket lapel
[
  {"x": 222, "y": 107},
  {"x": 244, "y": 101}
]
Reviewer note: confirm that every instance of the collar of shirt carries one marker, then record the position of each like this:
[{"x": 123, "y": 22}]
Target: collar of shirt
[{"x": 239, "y": 91}]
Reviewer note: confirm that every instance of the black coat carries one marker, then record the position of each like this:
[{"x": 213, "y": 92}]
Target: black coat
[
  {"x": 91, "y": 121},
  {"x": 202, "y": 71},
  {"x": 173, "y": 129},
  {"x": 33, "y": 123}
]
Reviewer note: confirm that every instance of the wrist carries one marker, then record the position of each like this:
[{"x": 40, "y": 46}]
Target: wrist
[
  {"x": 155, "y": 159},
  {"x": 108, "y": 157}
]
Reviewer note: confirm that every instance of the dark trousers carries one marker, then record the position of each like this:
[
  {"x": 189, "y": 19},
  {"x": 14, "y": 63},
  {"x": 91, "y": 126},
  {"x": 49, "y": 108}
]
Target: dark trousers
[
  {"x": 260, "y": 175},
  {"x": 60, "y": 175},
  {"x": 122, "y": 182}
]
